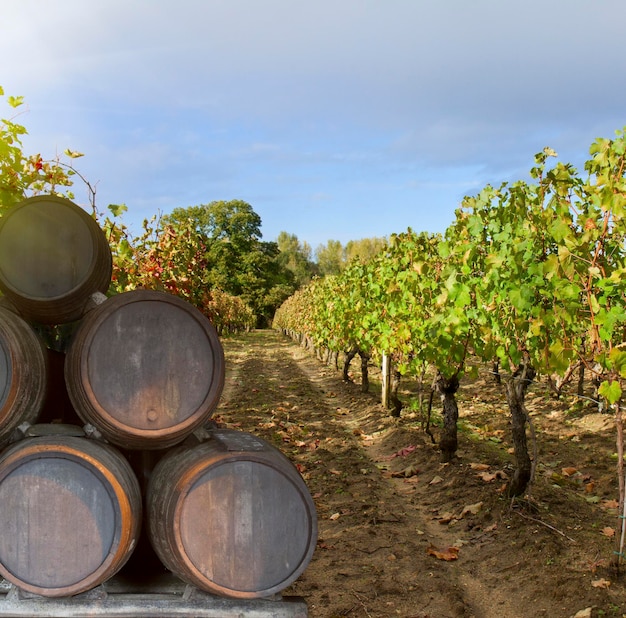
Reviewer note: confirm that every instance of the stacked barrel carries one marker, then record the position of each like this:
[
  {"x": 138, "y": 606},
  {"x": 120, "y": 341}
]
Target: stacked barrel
[{"x": 116, "y": 451}]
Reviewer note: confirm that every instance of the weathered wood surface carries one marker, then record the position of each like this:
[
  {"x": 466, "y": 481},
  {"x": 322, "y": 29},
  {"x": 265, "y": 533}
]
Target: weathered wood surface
[
  {"x": 165, "y": 596},
  {"x": 71, "y": 514},
  {"x": 231, "y": 516},
  {"x": 146, "y": 368},
  {"x": 53, "y": 257},
  {"x": 23, "y": 374}
]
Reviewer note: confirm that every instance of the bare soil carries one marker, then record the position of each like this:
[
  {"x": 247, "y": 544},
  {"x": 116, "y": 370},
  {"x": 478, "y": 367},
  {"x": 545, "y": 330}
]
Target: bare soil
[{"x": 401, "y": 534}]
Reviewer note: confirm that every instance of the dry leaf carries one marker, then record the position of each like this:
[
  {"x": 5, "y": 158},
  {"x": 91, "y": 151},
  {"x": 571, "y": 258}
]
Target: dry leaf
[
  {"x": 407, "y": 472},
  {"x": 492, "y": 476},
  {"x": 583, "y": 613},
  {"x": 479, "y": 466},
  {"x": 452, "y": 553},
  {"x": 609, "y": 504},
  {"x": 403, "y": 452},
  {"x": 445, "y": 518},
  {"x": 589, "y": 487},
  {"x": 334, "y": 516},
  {"x": 488, "y": 476},
  {"x": 568, "y": 471},
  {"x": 608, "y": 531},
  {"x": 471, "y": 508},
  {"x": 436, "y": 480},
  {"x": 601, "y": 583}
]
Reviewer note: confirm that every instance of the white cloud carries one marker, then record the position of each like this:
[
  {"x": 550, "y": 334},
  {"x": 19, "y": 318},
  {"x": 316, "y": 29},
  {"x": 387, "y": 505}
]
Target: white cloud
[{"x": 184, "y": 102}]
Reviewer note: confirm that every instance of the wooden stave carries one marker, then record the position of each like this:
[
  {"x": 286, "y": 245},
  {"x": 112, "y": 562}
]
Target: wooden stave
[
  {"x": 118, "y": 480},
  {"x": 85, "y": 402},
  {"x": 27, "y": 362},
  {"x": 170, "y": 483},
  {"x": 73, "y": 303}
]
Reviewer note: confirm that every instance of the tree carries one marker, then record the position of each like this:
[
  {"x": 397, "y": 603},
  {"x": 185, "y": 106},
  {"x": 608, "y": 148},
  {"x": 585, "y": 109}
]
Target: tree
[
  {"x": 233, "y": 222},
  {"x": 330, "y": 258},
  {"x": 236, "y": 260},
  {"x": 364, "y": 249},
  {"x": 295, "y": 257}
]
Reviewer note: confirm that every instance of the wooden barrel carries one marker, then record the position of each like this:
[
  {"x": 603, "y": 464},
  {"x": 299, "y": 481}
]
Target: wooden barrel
[
  {"x": 231, "y": 516},
  {"x": 146, "y": 368},
  {"x": 23, "y": 374},
  {"x": 53, "y": 257},
  {"x": 70, "y": 517}
]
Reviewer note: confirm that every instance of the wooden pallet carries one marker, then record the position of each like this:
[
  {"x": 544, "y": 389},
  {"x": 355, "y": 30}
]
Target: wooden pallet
[{"x": 163, "y": 596}]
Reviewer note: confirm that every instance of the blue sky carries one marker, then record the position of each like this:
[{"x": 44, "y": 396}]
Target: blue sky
[{"x": 334, "y": 119}]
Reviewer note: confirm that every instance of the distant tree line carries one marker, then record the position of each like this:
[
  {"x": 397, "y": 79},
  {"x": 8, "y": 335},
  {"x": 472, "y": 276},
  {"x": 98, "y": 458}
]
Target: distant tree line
[{"x": 211, "y": 254}]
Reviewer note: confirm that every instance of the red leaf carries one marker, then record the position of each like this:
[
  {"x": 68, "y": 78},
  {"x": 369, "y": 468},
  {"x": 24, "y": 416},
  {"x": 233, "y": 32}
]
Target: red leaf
[{"x": 452, "y": 553}]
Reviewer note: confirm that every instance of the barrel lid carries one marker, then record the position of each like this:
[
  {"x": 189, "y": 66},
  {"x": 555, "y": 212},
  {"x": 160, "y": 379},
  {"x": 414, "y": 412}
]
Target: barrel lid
[
  {"x": 146, "y": 368},
  {"x": 53, "y": 255}
]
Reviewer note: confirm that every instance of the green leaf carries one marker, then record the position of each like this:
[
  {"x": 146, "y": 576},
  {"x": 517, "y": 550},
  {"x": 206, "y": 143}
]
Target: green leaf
[
  {"x": 117, "y": 209},
  {"x": 611, "y": 391},
  {"x": 15, "y": 101},
  {"x": 618, "y": 359},
  {"x": 73, "y": 154}
]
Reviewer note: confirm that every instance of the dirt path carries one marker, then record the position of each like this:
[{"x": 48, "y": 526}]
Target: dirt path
[{"x": 399, "y": 533}]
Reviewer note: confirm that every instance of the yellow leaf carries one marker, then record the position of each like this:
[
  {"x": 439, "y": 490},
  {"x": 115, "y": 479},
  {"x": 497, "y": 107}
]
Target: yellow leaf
[
  {"x": 73, "y": 154},
  {"x": 601, "y": 583}
]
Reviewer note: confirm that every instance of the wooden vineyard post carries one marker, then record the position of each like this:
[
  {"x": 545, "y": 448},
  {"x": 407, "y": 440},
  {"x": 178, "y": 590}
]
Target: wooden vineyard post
[{"x": 386, "y": 380}]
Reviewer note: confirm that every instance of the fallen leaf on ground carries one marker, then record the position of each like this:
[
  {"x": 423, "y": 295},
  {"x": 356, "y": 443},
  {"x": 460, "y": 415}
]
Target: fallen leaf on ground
[
  {"x": 407, "y": 472},
  {"x": 479, "y": 466},
  {"x": 589, "y": 487},
  {"x": 568, "y": 471},
  {"x": 436, "y": 480},
  {"x": 471, "y": 508},
  {"x": 488, "y": 476},
  {"x": 445, "y": 518},
  {"x": 583, "y": 613},
  {"x": 609, "y": 504},
  {"x": 452, "y": 553},
  {"x": 334, "y": 516},
  {"x": 601, "y": 583},
  {"x": 608, "y": 531},
  {"x": 403, "y": 452}
]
